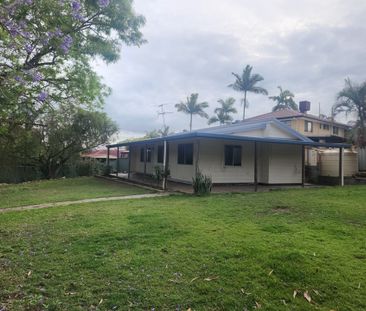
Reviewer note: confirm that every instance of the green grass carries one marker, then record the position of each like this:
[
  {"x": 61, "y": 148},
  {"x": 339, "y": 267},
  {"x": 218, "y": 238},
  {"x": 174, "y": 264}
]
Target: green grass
[
  {"x": 157, "y": 253},
  {"x": 58, "y": 190}
]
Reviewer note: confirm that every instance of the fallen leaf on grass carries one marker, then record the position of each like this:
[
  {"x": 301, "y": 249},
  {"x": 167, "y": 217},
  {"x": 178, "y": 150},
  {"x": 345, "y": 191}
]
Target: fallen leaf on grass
[
  {"x": 244, "y": 292},
  {"x": 189, "y": 309},
  {"x": 257, "y": 305},
  {"x": 211, "y": 278},
  {"x": 359, "y": 285},
  {"x": 194, "y": 279},
  {"x": 29, "y": 273},
  {"x": 270, "y": 272},
  {"x": 307, "y": 296},
  {"x": 284, "y": 302},
  {"x": 294, "y": 294},
  {"x": 100, "y": 302},
  {"x": 316, "y": 292}
]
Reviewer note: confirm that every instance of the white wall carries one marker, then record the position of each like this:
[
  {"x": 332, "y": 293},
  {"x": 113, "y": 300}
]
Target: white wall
[
  {"x": 211, "y": 162},
  {"x": 277, "y": 163},
  {"x": 285, "y": 164}
]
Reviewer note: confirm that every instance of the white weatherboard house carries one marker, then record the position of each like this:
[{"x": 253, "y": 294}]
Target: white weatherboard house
[{"x": 248, "y": 152}]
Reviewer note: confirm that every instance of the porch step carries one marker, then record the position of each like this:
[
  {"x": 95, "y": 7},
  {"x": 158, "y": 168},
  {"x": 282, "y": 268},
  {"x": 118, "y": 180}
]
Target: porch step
[{"x": 361, "y": 174}]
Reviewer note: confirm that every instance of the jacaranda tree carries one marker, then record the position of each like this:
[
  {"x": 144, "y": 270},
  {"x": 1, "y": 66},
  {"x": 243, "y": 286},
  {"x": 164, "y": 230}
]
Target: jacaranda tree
[{"x": 46, "y": 52}]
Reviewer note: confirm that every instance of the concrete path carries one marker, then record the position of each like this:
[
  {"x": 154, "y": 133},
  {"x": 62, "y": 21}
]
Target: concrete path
[{"x": 66, "y": 203}]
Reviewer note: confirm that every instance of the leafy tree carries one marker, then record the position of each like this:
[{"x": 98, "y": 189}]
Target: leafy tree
[
  {"x": 247, "y": 82},
  {"x": 223, "y": 113},
  {"x": 192, "y": 107},
  {"x": 151, "y": 134},
  {"x": 67, "y": 134},
  {"x": 352, "y": 99},
  {"x": 46, "y": 75},
  {"x": 45, "y": 56},
  {"x": 284, "y": 100}
]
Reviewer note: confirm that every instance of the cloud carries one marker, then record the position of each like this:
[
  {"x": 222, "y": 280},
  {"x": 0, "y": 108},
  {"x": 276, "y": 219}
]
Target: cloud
[{"x": 307, "y": 47}]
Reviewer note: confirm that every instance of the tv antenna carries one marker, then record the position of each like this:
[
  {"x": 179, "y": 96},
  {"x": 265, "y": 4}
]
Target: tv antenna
[{"x": 162, "y": 112}]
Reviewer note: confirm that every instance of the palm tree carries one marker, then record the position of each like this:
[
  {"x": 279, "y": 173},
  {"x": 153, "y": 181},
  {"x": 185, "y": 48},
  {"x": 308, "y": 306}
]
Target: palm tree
[
  {"x": 191, "y": 107},
  {"x": 223, "y": 113},
  {"x": 247, "y": 83},
  {"x": 284, "y": 100},
  {"x": 352, "y": 99}
]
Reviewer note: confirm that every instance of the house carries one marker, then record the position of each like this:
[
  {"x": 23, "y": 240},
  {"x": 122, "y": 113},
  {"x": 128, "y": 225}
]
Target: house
[
  {"x": 102, "y": 154},
  {"x": 250, "y": 152},
  {"x": 316, "y": 128}
]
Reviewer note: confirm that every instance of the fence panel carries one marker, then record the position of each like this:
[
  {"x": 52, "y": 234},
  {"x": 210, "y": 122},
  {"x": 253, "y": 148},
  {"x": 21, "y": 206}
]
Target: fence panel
[{"x": 362, "y": 159}]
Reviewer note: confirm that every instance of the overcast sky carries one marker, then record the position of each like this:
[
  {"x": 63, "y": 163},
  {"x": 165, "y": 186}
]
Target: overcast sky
[{"x": 308, "y": 47}]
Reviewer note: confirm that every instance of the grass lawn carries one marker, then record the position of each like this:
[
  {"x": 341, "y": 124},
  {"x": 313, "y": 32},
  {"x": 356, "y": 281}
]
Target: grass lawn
[
  {"x": 223, "y": 252},
  {"x": 47, "y": 191}
]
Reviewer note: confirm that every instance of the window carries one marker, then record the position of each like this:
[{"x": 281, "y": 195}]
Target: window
[
  {"x": 308, "y": 126},
  {"x": 335, "y": 130},
  {"x": 185, "y": 154},
  {"x": 148, "y": 155},
  {"x": 324, "y": 126},
  {"x": 287, "y": 122},
  {"x": 232, "y": 155},
  {"x": 160, "y": 154}
]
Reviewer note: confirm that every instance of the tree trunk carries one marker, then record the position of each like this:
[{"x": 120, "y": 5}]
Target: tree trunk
[
  {"x": 190, "y": 123},
  {"x": 244, "y": 104}
]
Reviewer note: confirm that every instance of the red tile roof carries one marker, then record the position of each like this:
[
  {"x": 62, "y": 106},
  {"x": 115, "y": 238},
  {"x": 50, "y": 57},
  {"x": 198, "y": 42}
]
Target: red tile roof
[
  {"x": 102, "y": 153},
  {"x": 287, "y": 113}
]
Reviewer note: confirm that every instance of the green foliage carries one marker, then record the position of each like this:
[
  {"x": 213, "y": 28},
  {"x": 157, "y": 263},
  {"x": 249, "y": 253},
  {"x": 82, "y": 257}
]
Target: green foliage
[
  {"x": 192, "y": 107},
  {"x": 284, "y": 100},
  {"x": 51, "y": 99},
  {"x": 202, "y": 184},
  {"x": 352, "y": 99},
  {"x": 247, "y": 82},
  {"x": 160, "y": 174}
]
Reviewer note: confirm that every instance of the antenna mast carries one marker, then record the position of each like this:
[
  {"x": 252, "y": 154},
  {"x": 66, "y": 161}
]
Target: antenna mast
[{"x": 162, "y": 112}]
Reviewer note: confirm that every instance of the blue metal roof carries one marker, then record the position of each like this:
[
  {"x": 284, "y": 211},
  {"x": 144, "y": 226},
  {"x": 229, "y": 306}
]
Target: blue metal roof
[{"x": 198, "y": 134}]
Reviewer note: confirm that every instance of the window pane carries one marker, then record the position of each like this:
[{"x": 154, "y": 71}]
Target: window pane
[
  {"x": 188, "y": 154},
  {"x": 142, "y": 154},
  {"x": 180, "y": 154},
  {"x": 228, "y": 155},
  {"x": 185, "y": 154},
  {"x": 160, "y": 154},
  {"x": 148, "y": 155},
  {"x": 237, "y": 156}
]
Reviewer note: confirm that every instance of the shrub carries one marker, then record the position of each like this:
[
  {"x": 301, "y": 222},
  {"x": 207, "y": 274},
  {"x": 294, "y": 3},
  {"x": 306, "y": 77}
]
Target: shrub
[
  {"x": 159, "y": 173},
  {"x": 202, "y": 184}
]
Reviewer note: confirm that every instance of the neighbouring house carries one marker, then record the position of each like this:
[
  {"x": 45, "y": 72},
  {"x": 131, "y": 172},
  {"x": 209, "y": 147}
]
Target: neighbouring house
[
  {"x": 317, "y": 128},
  {"x": 102, "y": 154},
  {"x": 265, "y": 151}
]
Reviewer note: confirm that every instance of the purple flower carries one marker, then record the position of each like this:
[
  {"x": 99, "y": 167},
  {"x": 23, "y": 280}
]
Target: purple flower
[
  {"x": 75, "y": 6},
  {"x": 78, "y": 16},
  {"x": 37, "y": 76},
  {"x": 66, "y": 44},
  {"x": 28, "y": 48},
  {"x": 103, "y": 3},
  {"x": 42, "y": 96},
  {"x": 58, "y": 32},
  {"x": 29, "y": 2}
]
